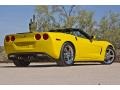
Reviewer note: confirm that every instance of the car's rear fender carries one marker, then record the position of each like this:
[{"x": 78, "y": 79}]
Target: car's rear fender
[{"x": 58, "y": 39}]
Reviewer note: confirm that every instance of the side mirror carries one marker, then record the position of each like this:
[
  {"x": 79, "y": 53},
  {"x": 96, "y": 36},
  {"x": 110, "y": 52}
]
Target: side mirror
[{"x": 92, "y": 38}]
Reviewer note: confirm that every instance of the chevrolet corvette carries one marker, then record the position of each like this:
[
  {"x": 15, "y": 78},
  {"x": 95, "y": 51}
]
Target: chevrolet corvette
[{"x": 65, "y": 46}]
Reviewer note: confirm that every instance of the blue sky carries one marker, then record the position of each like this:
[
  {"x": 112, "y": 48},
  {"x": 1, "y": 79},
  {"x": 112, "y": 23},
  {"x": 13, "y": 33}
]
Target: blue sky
[
  {"x": 14, "y": 19},
  {"x": 101, "y": 10}
]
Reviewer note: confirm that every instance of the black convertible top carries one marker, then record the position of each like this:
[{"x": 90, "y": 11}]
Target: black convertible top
[{"x": 65, "y": 30}]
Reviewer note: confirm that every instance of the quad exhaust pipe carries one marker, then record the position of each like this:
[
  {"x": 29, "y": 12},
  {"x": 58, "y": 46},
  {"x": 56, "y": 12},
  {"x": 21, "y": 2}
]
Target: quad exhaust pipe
[{"x": 20, "y": 57}]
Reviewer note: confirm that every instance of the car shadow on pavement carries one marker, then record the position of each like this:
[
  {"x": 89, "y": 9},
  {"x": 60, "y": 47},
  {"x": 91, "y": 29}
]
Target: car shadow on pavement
[
  {"x": 51, "y": 65},
  {"x": 55, "y": 65}
]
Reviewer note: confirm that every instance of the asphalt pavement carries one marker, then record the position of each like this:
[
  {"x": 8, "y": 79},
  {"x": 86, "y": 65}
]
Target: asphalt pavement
[{"x": 51, "y": 74}]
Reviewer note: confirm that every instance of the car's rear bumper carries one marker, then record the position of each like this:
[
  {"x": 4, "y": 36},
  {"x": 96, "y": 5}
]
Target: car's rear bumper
[
  {"x": 37, "y": 47},
  {"x": 32, "y": 56}
]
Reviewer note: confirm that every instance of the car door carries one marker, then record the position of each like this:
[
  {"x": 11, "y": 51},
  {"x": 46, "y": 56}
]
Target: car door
[
  {"x": 97, "y": 50},
  {"x": 87, "y": 49}
]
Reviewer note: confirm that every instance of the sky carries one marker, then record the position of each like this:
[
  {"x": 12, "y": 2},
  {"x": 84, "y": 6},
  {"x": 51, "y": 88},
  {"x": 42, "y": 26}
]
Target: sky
[{"x": 15, "y": 19}]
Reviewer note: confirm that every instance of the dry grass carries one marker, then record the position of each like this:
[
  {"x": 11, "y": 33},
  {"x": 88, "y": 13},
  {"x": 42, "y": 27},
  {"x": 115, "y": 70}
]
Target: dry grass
[
  {"x": 117, "y": 55},
  {"x": 3, "y": 57}
]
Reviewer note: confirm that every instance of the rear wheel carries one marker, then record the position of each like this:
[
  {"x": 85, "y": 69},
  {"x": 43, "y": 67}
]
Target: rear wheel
[
  {"x": 110, "y": 56},
  {"x": 21, "y": 63},
  {"x": 67, "y": 55}
]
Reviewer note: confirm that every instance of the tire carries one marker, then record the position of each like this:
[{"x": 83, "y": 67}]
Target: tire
[
  {"x": 67, "y": 55},
  {"x": 109, "y": 56},
  {"x": 21, "y": 63}
]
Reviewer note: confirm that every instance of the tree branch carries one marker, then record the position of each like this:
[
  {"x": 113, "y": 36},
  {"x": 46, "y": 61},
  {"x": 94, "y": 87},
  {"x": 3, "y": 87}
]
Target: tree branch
[
  {"x": 65, "y": 11},
  {"x": 71, "y": 9}
]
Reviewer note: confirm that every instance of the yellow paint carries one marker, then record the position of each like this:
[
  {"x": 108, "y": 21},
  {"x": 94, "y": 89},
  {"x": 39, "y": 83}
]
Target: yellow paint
[{"x": 85, "y": 50}]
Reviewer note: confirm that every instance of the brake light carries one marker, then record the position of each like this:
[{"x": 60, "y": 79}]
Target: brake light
[
  {"x": 37, "y": 36},
  {"x": 7, "y": 38},
  {"x": 12, "y": 38},
  {"x": 45, "y": 36}
]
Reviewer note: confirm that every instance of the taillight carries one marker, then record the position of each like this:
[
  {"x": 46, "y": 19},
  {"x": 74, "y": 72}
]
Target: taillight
[
  {"x": 12, "y": 38},
  {"x": 7, "y": 38},
  {"x": 37, "y": 36},
  {"x": 45, "y": 36}
]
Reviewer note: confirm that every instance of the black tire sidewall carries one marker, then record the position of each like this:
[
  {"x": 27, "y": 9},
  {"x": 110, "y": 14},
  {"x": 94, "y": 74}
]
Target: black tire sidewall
[
  {"x": 109, "y": 47},
  {"x": 61, "y": 61},
  {"x": 21, "y": 63}
]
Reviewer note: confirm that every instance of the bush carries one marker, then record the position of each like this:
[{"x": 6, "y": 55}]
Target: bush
[{"x": 3, "y": 57}]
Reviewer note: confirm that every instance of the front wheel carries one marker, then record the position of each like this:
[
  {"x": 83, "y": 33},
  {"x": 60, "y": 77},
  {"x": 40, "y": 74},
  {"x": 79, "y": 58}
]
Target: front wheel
[
  {"x": 110, "y": 56},
  {"x": 67, "y": 55},
  {"x": 21, "y": 63}
]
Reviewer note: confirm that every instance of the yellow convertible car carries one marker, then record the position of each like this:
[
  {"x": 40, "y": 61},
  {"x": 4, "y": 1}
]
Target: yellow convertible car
[{"x": 65, "y": 46}]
